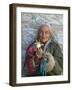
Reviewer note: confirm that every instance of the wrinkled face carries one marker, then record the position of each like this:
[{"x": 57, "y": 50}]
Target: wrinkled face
[{"x": 44, "y": 34}]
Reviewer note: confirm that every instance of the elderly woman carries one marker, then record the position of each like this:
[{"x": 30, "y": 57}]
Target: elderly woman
[{"x": 44, "y": 56}]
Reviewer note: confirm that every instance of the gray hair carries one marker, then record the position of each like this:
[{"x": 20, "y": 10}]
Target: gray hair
[{"x": 49, "y": 28}]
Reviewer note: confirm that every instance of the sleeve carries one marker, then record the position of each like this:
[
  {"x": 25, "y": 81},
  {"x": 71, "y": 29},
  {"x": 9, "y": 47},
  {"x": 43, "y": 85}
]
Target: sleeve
[
  {"x": 55, "y": 63},
  {"x": 30, "y": 61},
  {"x": 58, "y": 56}
]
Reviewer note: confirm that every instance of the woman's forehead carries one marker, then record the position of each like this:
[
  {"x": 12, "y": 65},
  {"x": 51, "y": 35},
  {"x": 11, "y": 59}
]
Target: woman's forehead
[{"x": 44, "y": 28}]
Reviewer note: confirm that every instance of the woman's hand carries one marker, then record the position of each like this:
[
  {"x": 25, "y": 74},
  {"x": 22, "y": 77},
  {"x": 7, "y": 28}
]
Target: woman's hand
[{"x": 39, "y": 53}]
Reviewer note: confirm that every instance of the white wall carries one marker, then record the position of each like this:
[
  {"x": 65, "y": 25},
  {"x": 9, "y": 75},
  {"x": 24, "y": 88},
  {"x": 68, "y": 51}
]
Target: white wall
[{"x": 4, "y": 45}]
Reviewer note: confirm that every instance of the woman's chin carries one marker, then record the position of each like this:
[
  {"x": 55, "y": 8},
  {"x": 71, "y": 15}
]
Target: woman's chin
[{"x": 44, "y": 41}]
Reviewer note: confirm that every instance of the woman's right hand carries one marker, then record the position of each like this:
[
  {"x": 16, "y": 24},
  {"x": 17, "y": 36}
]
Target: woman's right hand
[{"x": 39, "y": 53}]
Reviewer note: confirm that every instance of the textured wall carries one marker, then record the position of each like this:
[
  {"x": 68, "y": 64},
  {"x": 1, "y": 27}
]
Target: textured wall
[{"x": 30, "y": 23}]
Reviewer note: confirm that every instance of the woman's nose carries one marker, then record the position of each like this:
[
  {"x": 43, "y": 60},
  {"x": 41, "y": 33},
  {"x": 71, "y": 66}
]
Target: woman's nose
[{"x": 44, "y": 34}]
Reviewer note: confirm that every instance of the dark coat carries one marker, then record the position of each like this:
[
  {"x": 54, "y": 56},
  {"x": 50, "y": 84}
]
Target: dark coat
[
  {"x": 55, "y": 57},
  {"x": 54, "y": 48}
]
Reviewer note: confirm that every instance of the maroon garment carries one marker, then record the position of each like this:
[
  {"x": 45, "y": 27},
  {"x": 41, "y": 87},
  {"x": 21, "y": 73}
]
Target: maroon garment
[{"x": 30, "y": 57}]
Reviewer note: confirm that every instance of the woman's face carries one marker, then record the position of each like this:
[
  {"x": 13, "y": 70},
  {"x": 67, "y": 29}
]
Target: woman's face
[{"x": 44, "y": 34}]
